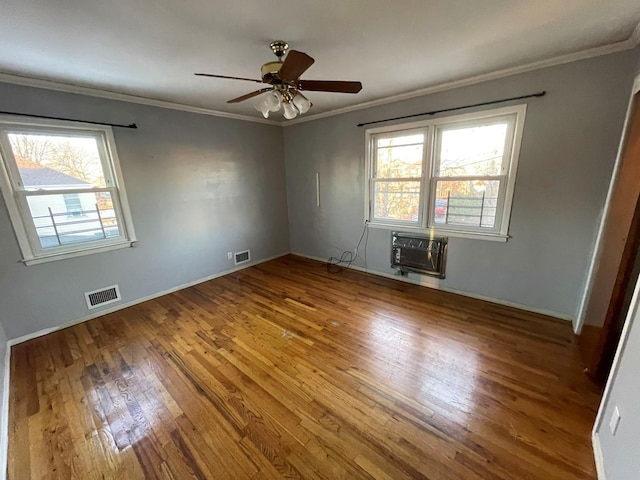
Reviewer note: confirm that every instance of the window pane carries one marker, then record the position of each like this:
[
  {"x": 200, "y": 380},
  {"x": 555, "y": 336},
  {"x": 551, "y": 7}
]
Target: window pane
[
  {"x": 404, "y": 140},
  {"x": 474, "y": 151},
  {"x": 399, "y": 162},
  {"x": 48, "y": 162},
  {"x": 466, "y": 203},
  {"x": 73, "y": 218},
  {"x": 397, "y": 201}
]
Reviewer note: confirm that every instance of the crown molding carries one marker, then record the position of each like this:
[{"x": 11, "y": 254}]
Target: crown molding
[
  {"x": 124, "y": 97},
  {"x": 631, "y": 42}
]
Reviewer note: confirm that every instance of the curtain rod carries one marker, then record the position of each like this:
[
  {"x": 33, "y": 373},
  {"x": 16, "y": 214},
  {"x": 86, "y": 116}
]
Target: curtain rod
[
  {"x": 131, "y": 125},
  {"x": 433, "y": 112}
]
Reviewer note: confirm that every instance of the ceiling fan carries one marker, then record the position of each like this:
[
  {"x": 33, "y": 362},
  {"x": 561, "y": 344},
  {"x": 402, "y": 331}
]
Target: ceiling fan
[{"x": 286, "y": 87}]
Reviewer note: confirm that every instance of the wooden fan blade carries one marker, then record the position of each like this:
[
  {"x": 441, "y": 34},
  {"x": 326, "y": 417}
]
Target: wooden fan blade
[
  {"x": 294, "y": 65},
  {"x": 330, "y": 86},
  {"x": 249, "y": 95},
  {"x": 230, "y": 78}
]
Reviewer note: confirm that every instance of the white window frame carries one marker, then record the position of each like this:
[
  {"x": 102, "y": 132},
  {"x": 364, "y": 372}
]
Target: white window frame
[
  {"x": 374, "y": 180},
  {"x": 432, "y": 129},
  {"x": 15, "y": 194}
]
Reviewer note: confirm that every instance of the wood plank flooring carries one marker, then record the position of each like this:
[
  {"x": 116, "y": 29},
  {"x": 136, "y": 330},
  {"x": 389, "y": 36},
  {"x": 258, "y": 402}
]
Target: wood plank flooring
[{"x": 286, "y": 371}]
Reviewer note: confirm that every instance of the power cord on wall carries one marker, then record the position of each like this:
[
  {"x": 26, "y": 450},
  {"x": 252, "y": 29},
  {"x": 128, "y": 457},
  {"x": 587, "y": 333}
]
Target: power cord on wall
[{"x": 337, "y": 264}]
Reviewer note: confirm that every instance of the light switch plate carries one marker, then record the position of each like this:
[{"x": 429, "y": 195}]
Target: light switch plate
[{"x": 615, "y": 421}]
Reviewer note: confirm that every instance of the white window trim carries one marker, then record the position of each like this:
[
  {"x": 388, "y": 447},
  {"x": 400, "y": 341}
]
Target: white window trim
[
  {"x": 501, "y": 234},
  {"x": 421, "y": 179},
  {"x": 22, "y": 231}
]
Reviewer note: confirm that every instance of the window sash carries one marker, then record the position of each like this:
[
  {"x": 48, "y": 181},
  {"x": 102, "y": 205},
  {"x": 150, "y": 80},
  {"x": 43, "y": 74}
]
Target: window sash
[
  {"x": 32, "y": 231},
  {"x": 510, "y": 120},
  {"x": 400, "y": 133},
  {"x": 375, "y": 179},
  {"x": 12, "y": 165},
  {"x": 506, "y": 156},
  {"x": 502, "y": 179}
]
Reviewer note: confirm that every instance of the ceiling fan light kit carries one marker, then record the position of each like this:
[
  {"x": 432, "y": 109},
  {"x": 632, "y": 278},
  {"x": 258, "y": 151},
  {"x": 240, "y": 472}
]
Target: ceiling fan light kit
[
  {"x": 292, "y": 103},
  {"x": 284, "y": 78}
]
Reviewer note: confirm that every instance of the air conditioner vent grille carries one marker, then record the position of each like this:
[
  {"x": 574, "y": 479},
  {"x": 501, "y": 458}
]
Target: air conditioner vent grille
[
  {"x": 103, "y": 296},
  {"x": 420, "y": 254}
]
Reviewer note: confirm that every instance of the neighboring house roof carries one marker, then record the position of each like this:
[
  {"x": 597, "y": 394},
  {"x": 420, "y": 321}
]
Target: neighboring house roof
[
  {"x": 36, "y": 175},
  {"x": 42, "y": 177}
]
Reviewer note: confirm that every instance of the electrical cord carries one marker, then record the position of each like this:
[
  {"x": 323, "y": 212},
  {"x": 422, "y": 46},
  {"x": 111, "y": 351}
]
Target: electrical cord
[{"x": 337, "y": 264}]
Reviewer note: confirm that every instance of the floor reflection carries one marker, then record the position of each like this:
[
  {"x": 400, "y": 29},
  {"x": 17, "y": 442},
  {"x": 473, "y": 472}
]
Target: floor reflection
[{"x": 438, "y": 372}]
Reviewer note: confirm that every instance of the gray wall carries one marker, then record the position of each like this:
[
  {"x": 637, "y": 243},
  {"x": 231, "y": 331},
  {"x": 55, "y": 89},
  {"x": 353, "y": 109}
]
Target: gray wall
[
  {"x": 568, "y": 151},
  {"x": 620, "y": 452},
  {"x": 198, "y": 186}
]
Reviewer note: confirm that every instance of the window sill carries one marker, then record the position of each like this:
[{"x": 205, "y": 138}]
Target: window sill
[
  {"x": 491, "y": 237},
  {"x": 78, "y": 253}
]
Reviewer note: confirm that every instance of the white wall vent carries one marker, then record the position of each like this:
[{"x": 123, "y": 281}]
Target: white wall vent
[
  {"x": 103, "y": 296},
  {"x": 242, "y": 257}
]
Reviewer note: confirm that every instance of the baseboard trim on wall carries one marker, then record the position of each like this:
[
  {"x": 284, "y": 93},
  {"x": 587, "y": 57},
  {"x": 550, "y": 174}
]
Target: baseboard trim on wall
[
  {"x": 597, "y": 454},
  {"x": 424, "y": 283},
  {"x": 4, "y": 415},
  {"x": 115, "y": 308}
]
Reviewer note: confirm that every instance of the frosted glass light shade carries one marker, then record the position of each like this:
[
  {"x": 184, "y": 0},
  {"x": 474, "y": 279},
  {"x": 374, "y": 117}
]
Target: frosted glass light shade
[
  {"x": 289, "y": 111},
  {"x": 263, "y": 108},
  {"x": 302, "y": 104},
  {"x": 273, "y": 101}
]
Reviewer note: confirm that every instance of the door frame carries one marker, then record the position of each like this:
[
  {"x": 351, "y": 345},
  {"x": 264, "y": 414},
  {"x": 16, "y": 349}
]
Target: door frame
[{"x": 578, "y": 322}]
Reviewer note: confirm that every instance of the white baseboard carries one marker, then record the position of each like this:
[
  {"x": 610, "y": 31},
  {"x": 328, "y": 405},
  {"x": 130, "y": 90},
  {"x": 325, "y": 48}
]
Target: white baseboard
[
  {"x": 429, "y": 282},
  {"x": 4, "y": 415},
  {"x": 597, "y": 454},
  {"x": 115, "y": 308}
]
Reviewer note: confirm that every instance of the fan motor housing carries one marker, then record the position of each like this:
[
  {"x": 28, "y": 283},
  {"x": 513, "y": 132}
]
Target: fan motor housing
[{"x": 270, "y": 72}]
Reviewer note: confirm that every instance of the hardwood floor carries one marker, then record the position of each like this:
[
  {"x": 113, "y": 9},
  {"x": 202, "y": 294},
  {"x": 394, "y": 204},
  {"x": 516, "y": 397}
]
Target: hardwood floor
[{"x": 286, "y": 371}]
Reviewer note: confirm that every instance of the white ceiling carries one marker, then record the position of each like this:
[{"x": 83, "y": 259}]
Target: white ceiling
[{"x": 151, "y": 48}]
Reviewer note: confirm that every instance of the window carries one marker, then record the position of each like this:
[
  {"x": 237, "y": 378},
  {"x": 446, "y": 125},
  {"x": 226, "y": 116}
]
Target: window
[
  {"x": 455, "y": 175},
  {"x": 73, "y": 204},
  {"x": 62, "y": 185}
]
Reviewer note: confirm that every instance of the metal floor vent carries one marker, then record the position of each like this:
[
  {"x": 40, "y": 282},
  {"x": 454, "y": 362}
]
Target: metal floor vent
[
  {"x": 242, "y": 257},
  {"x": 103, "y": 296}
]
